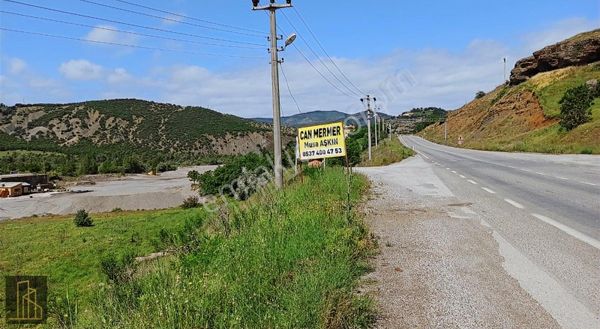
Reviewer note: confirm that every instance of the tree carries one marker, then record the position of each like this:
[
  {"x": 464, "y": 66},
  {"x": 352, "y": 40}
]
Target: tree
[
  {"x": 479, "y": 94},
  {"x": 575, "y": 107},
  {"x": 83, "y": 219}
]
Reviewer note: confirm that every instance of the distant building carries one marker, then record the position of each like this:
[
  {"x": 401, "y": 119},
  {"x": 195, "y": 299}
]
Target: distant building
[
  {"x": 9, "y": 190},
  {"x": 31, "y": 179}
]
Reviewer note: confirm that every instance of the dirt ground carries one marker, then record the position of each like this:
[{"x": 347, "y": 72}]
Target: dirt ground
[{"x": 131, "y": 192}]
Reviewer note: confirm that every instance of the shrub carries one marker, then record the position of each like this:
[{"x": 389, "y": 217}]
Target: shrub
[
  {"x": 191, "y": 202},
  {"x": 575, "y": 107},
  {"x": 479, "y": 94},
  {"x": 119, "y": 270},
  {"x": 83, "y": 219}
]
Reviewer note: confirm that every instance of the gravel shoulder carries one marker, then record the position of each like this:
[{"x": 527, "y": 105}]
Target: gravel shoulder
[{"x": 440, "y": 265}]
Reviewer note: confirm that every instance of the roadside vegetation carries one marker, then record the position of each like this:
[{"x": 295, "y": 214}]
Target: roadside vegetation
[
  {"x": 389, "y": 151},
  {"x": 288, "y": 258}
]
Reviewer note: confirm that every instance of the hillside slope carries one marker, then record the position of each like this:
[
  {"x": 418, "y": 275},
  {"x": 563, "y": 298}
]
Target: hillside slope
[
  {"x": 525, "y": 117},
  {"x": 131, "y": 124}
]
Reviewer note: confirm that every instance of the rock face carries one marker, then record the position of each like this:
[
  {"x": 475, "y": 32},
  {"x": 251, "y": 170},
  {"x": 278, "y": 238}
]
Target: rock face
[{"x": 582, "y": 49}]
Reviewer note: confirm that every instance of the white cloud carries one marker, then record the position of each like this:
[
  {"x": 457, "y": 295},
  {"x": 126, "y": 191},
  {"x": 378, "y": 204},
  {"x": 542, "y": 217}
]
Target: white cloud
[
  {"x": 16, "y": 66},
  {"x": 401, "y": 79},
  {"x": 119, "y": 76},
  {"x": 557, "y": 32},
  {"x": 81, "y": 69},
  {"x": 106, "y": 33}
]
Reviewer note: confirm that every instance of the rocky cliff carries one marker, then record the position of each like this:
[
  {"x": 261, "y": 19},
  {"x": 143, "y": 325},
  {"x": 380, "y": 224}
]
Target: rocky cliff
[{"x": 579, "y": 50}]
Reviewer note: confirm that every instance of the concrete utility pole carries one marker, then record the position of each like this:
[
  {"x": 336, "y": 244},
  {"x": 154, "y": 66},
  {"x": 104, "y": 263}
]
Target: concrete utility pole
[
  {"x": 369, "y": 114},
  {"x": 390, "y": 130},
  {"x": 274, "y": 50},
  {"x": 446, "y": 130}
]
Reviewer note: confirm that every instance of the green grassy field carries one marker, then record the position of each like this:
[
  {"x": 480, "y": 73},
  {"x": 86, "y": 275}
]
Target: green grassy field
[
  {"x": 282, "y": 259},
  {"x": 69, "y": 256},
  {"x": 388, "y": 152}
]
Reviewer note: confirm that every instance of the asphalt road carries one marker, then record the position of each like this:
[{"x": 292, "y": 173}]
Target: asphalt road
[
  {"x": 488, "y": 239},
  {"x": 562, "y": 188}
]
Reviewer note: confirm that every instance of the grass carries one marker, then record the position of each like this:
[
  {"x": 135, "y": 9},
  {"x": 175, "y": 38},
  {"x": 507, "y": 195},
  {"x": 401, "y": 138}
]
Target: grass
[
  {"x": 550, "y": 87},
  {"x": 69, "y": 256},
  {"x": 283, "y": 259},
  {"x": 389, "y": 151}
]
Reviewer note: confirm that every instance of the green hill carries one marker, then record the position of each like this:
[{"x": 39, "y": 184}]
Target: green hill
[{"x": 114, "y": 130}]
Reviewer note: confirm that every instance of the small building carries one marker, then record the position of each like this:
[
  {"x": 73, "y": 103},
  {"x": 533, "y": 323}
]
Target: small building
[
  {"x": 32, "y": 179},
  {"x": 11, "y": 190}
]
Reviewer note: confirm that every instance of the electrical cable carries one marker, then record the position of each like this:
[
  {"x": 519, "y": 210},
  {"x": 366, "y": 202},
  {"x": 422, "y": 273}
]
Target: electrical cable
[
  {"x": 128, "y": 32},
  {"x": 288, "y": 87},
  {"x": 170, "y": 19},
  {"x": 130, "y": 24},
  {"x": 189, "y": 17},
  {"x": 327, "y": 54},
  {"x": 122, "y": 44},
  {"x": 320, "y": 59}
]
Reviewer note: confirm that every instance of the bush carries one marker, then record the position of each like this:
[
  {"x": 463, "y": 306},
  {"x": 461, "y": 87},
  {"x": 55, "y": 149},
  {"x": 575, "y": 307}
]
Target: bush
[
  {"x": 575, "y": 107},
  {"x": 119, "y": 270},
  {"x": 191, "y": 202},
  {"x": 479, "y": 94},
  {"x": 83, "y": 219}
]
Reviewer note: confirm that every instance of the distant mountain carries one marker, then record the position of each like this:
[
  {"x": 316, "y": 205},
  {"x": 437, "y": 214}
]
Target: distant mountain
[
  {"x": 128, "y": 124},
  {"x": 316, "y": 117}
]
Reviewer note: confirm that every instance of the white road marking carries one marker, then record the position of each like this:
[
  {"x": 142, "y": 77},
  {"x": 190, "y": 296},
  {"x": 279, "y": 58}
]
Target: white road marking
[
  {"x": 541, "y": 173},
  {"x": 463, "y": 177},
  {"x": 515, "y": 203},
  {"x": 488, "y": 190},
  {"x": 574, "y": 233},
  {"x": 591, "y": 184},
  {"x": 447, "y": 168},
  {"x": 454, "y": 172},
  {"x": 423, "y": 155},
  {"x": 472, "y": 182},
  {"x": 561, "y": 178},
  {"x": 564, "y": 307}
]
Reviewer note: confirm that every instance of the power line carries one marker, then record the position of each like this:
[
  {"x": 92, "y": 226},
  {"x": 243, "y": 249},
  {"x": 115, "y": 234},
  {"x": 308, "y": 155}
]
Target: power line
[
  {"x": 189, "y": 17},
  {"x": 320, "y": 73},
  {"x": 171, "y": 19},
  {"x": 128, "y": 32},
  {"x": 320, "y": 59},
  {"x": 130, "y": 24},
  {"x": 323, "y": 49},
  {"x": 123, "y": 44},
  {"x": 288, "y": 87},
  {"x": 314, "y": 67}
]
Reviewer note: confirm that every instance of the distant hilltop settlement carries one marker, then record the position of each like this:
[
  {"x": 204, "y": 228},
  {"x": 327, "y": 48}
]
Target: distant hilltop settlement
[{"x": 21, "y": 184}]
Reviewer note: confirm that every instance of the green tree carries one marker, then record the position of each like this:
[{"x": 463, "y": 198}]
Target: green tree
[
  {"x": 479, "y": 94},
  {"x": 575, "y": 107}
]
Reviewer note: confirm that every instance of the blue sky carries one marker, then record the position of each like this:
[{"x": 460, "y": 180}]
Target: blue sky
[{"x": 417, "y": 53}]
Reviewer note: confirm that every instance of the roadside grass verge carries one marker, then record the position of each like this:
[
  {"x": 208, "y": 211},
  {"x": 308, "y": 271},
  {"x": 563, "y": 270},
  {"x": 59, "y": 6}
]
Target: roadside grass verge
[
  {"x": 283, "y": 259},
  {"x": 70, "y": 256},
  {"x": 388, "y": 152}
]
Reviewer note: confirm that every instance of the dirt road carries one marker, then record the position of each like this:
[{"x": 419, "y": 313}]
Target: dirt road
[{"x": 130, "y": 193}]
